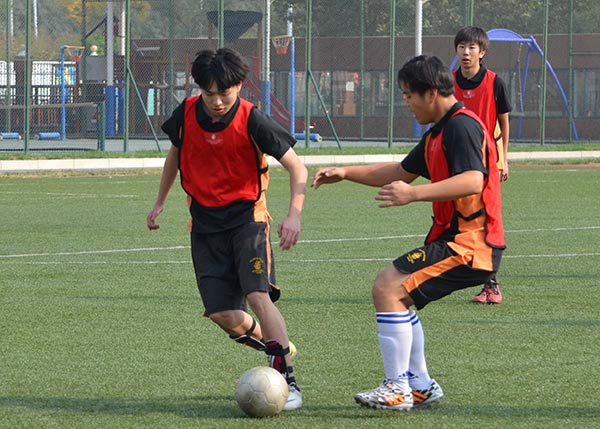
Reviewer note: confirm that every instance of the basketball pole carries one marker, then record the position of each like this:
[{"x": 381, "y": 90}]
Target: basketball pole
[
  {"x": 265, "y": 80},
  {"x": 290, "y": 32}
]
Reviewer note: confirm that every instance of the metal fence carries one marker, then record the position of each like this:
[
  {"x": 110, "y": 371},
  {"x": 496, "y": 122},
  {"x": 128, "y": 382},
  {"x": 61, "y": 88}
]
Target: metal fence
[{"x": 331, "y": 71}]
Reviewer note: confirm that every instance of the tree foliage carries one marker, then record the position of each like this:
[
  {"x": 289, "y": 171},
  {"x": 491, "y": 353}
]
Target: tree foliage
[
  {"x": 444, "y": 17},
  {"x": 60, "y": 21}
]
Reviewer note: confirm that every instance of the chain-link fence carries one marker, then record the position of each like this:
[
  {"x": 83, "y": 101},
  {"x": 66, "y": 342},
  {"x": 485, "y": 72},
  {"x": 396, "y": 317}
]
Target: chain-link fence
[{"x": 331, "y": 72}]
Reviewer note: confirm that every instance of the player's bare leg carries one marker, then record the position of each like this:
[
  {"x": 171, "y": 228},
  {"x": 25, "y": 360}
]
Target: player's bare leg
[
  {"x": 276, "y": 343},
  {"x": 241, "y": 327}
]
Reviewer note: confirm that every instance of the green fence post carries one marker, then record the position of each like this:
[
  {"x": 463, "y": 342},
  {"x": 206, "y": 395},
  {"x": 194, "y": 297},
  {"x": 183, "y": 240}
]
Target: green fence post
[
  {"x": 8, "y": 98},
  {"x": 544, "y": 75},
  {"x": 391, "y": 73}
]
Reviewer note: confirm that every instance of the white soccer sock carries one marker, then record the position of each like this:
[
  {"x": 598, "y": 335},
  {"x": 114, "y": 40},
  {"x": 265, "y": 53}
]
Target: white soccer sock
[
  {"x": 395, "y": 339},
  {"x": 419, "y": 375}
]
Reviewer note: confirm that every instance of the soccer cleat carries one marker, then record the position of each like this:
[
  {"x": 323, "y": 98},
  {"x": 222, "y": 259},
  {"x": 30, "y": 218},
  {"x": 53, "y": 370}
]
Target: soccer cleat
[
  {"x": 426, "y": 397},
  {"x": 481, "y": 297},
  {"x": 494, "y": 295},
  {"x": 490, "y": 294},
  {"x": 294, "y": 400},
  {"x": 293, "y": 350},
  {"x": 385, "y": 397}
]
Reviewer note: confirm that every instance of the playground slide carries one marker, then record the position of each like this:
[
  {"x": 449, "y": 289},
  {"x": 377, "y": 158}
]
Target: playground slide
[{"x": 278, "y": 110}]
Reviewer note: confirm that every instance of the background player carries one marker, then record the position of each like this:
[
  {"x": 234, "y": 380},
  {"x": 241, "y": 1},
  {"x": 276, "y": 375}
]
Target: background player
[{"x": 485, "y": 93}]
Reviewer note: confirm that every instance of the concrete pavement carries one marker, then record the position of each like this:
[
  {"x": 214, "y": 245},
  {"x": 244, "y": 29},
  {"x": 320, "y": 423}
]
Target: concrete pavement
[{"x": 95, "y": 164}]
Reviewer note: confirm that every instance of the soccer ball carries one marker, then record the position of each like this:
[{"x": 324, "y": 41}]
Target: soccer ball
[{"x": 261, "y": 392}]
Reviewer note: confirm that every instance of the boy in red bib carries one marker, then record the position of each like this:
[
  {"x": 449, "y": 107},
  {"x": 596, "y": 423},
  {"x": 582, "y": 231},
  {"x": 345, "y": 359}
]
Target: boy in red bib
[
  {"x": 483, "y": 92},
  {"x": 219, "y": 147}
]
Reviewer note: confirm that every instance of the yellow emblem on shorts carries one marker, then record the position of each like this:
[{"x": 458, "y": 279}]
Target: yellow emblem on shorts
[
  {"x": 416, "y": 255},
  {"x": 257, "y": 265}
]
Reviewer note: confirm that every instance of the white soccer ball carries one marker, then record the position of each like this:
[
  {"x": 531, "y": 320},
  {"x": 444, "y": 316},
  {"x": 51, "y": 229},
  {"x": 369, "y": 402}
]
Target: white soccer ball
[{"x": 261, "y": 392}]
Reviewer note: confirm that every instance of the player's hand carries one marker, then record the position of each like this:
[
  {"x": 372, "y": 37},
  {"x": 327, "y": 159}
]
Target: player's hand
[
  {"x": 398, "y": 193},
  {"x": 328, "y": 175},
  {"x": 151, "y": 218},
  {"x": 288, "y": 231},
  {"x": 504, "y": 173}
]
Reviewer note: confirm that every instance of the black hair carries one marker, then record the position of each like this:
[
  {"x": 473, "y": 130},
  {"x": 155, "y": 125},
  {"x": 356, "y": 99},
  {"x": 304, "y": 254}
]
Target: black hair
[
  {"x": 223, "y": 66},
  {"x": 424, "y": 72},
  {"x": 471, "y": 34}
]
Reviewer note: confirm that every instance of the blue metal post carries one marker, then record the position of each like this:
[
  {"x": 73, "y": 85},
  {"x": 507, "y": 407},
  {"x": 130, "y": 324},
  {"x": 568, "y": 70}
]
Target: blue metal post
[
  {"x": 266, "y": 65},
  {"x": 109, "y": 93}
]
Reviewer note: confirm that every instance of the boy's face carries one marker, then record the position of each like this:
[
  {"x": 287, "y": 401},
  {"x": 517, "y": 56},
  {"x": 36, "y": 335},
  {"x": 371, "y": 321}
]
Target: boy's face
[
  {"x": 420, "y": 105},
  {"x": 469, "y": 54},
  {"x": 219, "y": 103}
]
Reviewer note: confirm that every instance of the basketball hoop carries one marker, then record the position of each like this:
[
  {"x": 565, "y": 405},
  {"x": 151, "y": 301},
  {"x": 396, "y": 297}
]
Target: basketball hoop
[
  {"x": 281, "y": 43},
  {"x": 74, "y": 52}
]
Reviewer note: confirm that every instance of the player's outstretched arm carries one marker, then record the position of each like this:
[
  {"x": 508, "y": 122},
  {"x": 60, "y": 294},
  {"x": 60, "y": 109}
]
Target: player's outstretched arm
[
  {"x": 167, "y": 178},
  {"x": 328, "y": 175},
  {"x": 370, "y": 175}
]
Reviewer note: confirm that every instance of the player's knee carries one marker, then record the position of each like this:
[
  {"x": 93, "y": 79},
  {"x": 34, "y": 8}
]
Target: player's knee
[
  {"x": 406, "y": 300},
  {"x": 384, "y": 291},
  {"x": 222, "y": 318},
  {"x": 378, "y": 293},
  {"x": 381, "y": 288},
  {"x": 258, "y": 301},
  {"x": 250, "y": 338},
  {"x": 388, "y": 285}
]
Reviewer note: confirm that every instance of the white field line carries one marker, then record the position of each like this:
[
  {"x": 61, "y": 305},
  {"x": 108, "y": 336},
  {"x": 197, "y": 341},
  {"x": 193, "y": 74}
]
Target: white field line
[
  {"x": 281, "y": 260},
  {"x": 94, "y": 252},
  {"x": 69, "y": 194},
  {"x": 331, "y": 240}
]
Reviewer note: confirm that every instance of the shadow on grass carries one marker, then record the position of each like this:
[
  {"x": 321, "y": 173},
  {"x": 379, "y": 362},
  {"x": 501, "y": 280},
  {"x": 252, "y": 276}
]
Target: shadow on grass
[
  {"x": 222, "y": 407},
  {"x": 215, "y": 407},
  {"x": 551, "y": 413}
]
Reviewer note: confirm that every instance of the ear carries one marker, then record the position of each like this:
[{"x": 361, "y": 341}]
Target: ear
[
  {"x": 237, "y": 88},
  {"x": 431, "y": 94}
]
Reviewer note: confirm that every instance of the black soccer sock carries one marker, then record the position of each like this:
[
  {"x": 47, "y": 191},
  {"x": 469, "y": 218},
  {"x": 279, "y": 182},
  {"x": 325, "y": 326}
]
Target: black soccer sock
[
  {"x": 277, "y": 354},
  {"x": 291, "y": 379}
]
